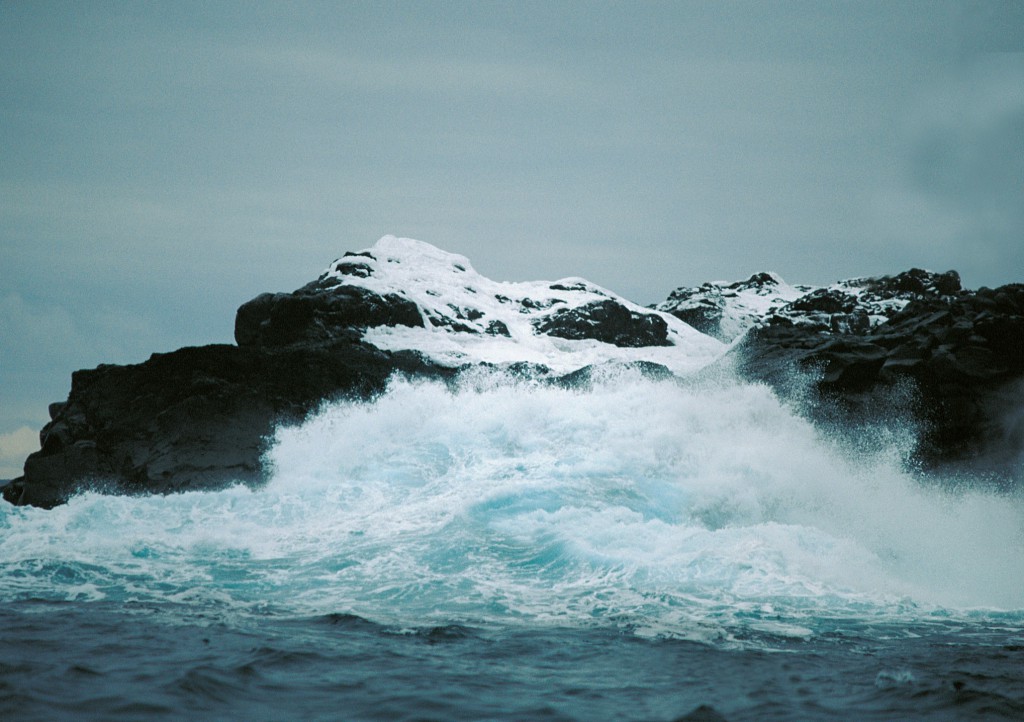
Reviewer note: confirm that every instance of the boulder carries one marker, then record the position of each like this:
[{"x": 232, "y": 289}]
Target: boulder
[
  {"x": 700, "y": 307},
  {"x": 322, "y": 311},
  {"x": 606, "y": 321}
]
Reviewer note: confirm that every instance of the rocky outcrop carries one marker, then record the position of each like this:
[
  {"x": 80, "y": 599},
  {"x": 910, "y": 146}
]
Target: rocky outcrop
[
  {"x": 607, "y": 322},
  {"x": 318, "y": 313},
  {"x": 913, "y": 346},
  {"x": 910, "y": 350},
  {"x": 200, "y": 418},
  {"x": 948, "y": 360},
  {"x": 196, "y": 418},
  {"x": 728, "y": 310}
]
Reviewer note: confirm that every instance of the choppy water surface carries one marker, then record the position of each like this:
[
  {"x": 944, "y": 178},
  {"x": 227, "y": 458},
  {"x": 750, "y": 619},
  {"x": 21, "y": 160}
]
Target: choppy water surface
[{"x": 511, "y": 550}]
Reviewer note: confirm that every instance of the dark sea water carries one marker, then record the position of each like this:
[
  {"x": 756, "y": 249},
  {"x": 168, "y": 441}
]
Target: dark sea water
[
  {"x": 102, "y": 661},
  {"x": 511, "y": 551}
]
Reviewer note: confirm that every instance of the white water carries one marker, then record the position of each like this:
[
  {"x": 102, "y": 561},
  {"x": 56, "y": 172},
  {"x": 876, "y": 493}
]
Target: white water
[
  {"x": 676, "y": 509},
  {"x": 442, "y": 284}
]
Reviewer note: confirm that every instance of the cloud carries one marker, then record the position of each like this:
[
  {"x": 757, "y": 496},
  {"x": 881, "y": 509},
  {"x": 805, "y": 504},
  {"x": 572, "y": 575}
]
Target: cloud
[
  {"x": 968, "y": 149},
  {"x": 955, "y": 200},
  {"x": 33, "y": 330},
  {"x": 43, "y": 339},
  {"x": 14, "y": 447}
]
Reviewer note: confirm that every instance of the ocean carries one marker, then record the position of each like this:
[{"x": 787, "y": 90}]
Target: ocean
[{"x": 635, "y": 549}]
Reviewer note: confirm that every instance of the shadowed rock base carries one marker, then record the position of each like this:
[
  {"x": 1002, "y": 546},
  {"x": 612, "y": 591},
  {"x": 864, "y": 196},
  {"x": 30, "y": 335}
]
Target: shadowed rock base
[
  {"x": 197, "y": 418},
  {"x": 952, "y": 365}
]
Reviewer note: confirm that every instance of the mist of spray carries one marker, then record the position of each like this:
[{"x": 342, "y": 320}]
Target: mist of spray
[{"x": 677, "y": 508}]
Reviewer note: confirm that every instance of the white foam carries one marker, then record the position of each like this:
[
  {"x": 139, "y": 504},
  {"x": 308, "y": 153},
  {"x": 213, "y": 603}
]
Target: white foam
[
  {"x": 668, "y": 508},
  {"x": 446, "y": 287},
  {"x": 747, "y": 307}
]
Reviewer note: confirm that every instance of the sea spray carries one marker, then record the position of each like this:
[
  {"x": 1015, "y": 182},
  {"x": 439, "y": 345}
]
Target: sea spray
[{"x": 697, "y": 510}]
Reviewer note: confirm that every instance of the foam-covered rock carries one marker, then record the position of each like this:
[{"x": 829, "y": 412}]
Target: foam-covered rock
[
  {"x": 912, "y": 344},
  {"x": 198, "y": 418},
  {"x": 960, "y": 357},
  {"x": 728, "y": 310}
]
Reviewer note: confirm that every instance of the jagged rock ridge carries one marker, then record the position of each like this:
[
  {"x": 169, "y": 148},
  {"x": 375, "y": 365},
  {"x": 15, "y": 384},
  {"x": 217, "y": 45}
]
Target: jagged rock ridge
[
  {"x": 728, "y": 310},
  {"x": 955, "y": 356}
]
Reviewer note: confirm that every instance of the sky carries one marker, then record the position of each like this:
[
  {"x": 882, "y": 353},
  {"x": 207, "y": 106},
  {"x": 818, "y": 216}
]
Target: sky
[{"x": 163, "y": 162}]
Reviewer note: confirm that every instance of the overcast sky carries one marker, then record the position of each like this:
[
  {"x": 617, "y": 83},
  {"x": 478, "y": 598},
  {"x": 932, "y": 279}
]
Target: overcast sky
[{"x": 162, "y": 163}]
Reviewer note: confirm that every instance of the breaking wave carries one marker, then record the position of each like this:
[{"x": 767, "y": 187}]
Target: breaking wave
[{"x": 697, "y": 510}]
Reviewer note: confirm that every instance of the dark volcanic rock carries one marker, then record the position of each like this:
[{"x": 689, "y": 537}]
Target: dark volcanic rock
[
  {"x": 727, "y": 310},
  {"x": 322, "y": 311},
  {"x": 824, "y": 300},
  {"x": 963, "y": 355},
  {"x": 916, "y": 282},
  {"x": 913, "y": 346},
  {"x": 197, "y": 418},
  {"x": 608, "y": 322}
]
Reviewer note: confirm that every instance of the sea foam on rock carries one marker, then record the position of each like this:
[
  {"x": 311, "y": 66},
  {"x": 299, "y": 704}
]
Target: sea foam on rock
[
  {"x": 873, "y": 345},
  {"x": 467, "y": 318},
  {"x": 199, "y": 418}
]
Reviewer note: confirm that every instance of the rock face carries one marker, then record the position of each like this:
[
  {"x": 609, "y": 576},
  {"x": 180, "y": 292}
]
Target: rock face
[
  {"x": 607, "y": 322},
  {"x": 440, "y": 305},
  {"x": 196, "y": 418},
  {"x": 200, "y": 418},
  {"x": 319, "y": 313},
  {"x": 913, "y": 347},
  {"x": 958, "y": 358},
  {"x": 726, "y": 310}
]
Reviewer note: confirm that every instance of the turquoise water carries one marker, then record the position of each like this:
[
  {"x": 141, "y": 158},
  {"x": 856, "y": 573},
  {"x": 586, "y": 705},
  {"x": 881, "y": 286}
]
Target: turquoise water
[{"x": 514, "y": 550}]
